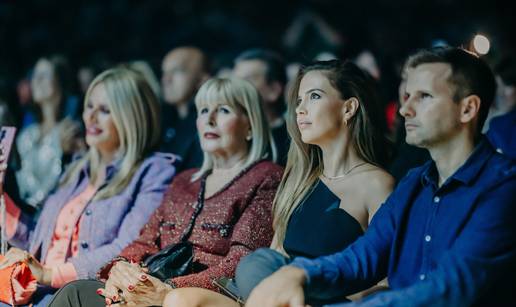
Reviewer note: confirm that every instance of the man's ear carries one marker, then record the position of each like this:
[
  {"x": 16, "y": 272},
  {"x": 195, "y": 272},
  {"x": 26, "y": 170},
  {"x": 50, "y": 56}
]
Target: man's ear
[
  {"x": 470, "y": 106},
  {"x": 350, "y": 108}
]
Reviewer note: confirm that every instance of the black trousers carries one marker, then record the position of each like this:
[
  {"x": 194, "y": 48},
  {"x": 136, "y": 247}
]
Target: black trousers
[{"x": 79, "y": 293}]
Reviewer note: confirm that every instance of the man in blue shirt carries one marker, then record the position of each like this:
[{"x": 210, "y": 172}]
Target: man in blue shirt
[{"x": 446, "y": 236}]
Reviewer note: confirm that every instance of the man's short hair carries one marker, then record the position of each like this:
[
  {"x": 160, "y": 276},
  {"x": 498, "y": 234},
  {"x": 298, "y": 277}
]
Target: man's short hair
[
  {"x": 276, "y": 70},
  {"x": 470, "y": 75}
]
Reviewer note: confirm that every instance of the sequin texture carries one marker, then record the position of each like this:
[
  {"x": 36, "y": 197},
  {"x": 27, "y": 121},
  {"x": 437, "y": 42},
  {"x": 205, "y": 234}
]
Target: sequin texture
[{"x": 234, "y": 222}]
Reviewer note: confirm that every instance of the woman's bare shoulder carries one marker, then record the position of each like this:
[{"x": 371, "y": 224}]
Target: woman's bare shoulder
[{"x": 376, "y": 182}]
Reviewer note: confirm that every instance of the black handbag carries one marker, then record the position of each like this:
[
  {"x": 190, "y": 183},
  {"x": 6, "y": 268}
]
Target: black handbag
[{"x": 177, "y": 259}]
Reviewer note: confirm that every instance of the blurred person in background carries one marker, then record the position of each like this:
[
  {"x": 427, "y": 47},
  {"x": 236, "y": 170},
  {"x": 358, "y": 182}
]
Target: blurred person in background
[
  {"x": 184, "y": 70},
  {"x": 47, "y": 145},
  {"x": 24, "y": 99},
  {"x": 9, "y": 112},
  {"x": 501, "y": 124},
  {"x": 265, "y": 69},
  {"x": 146, "y": 70}
]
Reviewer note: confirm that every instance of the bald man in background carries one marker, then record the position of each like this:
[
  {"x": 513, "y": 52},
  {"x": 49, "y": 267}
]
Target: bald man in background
[{"x": 184, "y": 70}]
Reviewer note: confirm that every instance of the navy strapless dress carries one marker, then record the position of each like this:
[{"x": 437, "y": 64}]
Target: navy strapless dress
[{"x": 319, "y": 226}]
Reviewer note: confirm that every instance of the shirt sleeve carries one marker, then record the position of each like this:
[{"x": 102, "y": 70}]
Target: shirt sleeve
[
  {"x": 253, "y": 230},
  {"x": 360, "y": 266},
  {"x": 482, "y": 258}
]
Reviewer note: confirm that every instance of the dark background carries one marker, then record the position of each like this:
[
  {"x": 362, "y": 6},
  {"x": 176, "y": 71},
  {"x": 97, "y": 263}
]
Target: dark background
[{"x": 103, "y": 32}]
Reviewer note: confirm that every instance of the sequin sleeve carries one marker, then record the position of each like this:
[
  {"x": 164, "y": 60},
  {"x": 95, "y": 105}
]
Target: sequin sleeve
[{"x": 253, "y": 230}]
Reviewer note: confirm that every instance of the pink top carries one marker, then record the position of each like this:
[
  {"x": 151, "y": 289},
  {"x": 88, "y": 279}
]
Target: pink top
[{"x": 65, "y": 239}]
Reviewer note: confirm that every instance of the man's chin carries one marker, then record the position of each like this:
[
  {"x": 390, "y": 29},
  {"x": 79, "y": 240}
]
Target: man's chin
[{"x": 414, "y": 142}]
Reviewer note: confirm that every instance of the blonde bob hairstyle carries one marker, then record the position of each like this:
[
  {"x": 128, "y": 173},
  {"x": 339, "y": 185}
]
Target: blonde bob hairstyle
[
  {"x": 241, "y": 96},
  {"x": 135, "y": 112}
]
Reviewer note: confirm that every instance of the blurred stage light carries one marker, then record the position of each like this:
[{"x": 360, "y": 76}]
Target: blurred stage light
[{"x": 481, "y": 44}]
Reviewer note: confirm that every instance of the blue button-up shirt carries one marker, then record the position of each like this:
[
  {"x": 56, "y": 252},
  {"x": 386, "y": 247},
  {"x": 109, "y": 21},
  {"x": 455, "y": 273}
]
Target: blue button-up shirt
[{"x": 453, "y": 245}]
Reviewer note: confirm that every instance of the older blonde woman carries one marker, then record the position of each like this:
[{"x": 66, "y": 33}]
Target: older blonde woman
[
  {"x": 239, "y": 187},
  {"x": 105, "y": 197}
]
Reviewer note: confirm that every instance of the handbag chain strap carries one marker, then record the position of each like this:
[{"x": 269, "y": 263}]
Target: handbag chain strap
[{"x": 198, "y": 208}]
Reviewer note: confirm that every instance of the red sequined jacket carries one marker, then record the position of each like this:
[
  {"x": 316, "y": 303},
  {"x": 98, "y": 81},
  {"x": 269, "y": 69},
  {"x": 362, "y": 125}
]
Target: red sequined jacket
[{"x": 234, "y": 222}]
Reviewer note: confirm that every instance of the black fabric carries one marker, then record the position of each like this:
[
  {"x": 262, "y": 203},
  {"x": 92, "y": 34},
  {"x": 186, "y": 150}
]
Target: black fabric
[
  {"x": 406, "y": 156},
  {"x": 172, "y": 261},
  {"x": 319, "y": 226},
  {"x": 282, "y": 141},
  {"x": 179, "y": 136},
  {"x": 79, "y": 293}
]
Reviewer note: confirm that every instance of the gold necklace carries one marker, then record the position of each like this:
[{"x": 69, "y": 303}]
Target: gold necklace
[{"x": 345, "y": 173}]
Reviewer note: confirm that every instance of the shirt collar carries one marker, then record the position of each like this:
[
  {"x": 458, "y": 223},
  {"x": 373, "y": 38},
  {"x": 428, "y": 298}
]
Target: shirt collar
[{"x": 467, "y": 172}]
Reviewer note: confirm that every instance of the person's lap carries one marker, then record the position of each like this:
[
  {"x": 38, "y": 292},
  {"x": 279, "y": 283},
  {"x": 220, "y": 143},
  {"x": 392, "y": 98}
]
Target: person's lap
[{"x": 79, "y": 293}]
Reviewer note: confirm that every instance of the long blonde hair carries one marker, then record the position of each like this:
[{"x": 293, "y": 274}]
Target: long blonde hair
[
  {"x": 304, "y": 163},
  {"x": 135, "y": 112},
  {"x": 238, "y": 94}
]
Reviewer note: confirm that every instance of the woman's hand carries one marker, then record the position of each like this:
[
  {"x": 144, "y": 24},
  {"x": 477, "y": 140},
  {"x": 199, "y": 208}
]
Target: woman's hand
[
  {"x": 129, "y": 284},
  {"x": 42, "y": 274}
]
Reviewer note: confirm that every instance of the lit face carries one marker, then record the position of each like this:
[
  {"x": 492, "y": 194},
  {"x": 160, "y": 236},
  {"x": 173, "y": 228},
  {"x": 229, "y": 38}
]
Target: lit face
[
  {"x": 43, "y": 83},
  {"x": 431, "y": 115},
  {"x": 101, "y": 131},
  {"x": 181, "y": 76},
  {"x": 223, "y": 130},
  {"x": 319, "y": 111}
]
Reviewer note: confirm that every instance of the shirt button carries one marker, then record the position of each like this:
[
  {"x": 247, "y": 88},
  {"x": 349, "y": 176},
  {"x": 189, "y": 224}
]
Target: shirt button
[
  {"x": 428, "y": 238},
  {"x": 84, "y": 244},
  {"x": 437, "y": 199},
  {"x": 88, "y": 212},
  {"x": 422, "y": 277}
]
